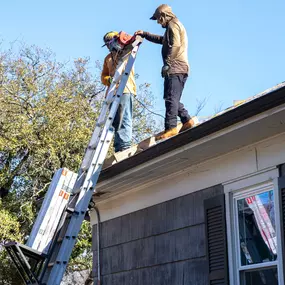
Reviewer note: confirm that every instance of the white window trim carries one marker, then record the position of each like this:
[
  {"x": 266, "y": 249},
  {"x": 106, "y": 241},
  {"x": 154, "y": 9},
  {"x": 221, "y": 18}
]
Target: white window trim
[
  {"x": 259, "y": 265},
  {"x": 243, "y": 193},
  {"x": 248, "y": 184}
]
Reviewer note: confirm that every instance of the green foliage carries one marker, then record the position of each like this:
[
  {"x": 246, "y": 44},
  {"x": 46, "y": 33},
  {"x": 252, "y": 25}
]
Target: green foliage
[
  {"x": 9, "y": 226},
  {"x": 81, "y": 258},
  {"x": 9, "y": 230},
  {"x": 48, "y": 112}
]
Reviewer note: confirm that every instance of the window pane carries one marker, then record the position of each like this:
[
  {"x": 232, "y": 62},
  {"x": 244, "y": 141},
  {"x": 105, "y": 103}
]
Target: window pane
[
  {"x": 260, "y": 277},
  {"x": 257, "y": 230}
]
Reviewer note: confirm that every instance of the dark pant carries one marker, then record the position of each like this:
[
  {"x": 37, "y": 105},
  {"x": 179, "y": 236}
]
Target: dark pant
[{"x": 173, "y": 87}]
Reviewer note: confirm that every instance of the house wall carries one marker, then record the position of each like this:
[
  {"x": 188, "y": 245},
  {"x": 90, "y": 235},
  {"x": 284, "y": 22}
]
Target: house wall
[
  {"x": 162, "y": 244},
  {"x": 156, "y": 235}
]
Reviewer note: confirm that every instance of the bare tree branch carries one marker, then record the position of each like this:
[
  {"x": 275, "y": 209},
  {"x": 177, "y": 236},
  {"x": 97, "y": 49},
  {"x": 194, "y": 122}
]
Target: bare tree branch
[
  {"x": 201, "y": 103},
  {"x": 218, "y": 107}
]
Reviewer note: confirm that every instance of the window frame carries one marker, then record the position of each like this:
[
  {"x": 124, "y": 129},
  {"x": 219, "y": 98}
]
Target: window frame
[
  {"x": 242, "y": 194},
  {"x": 250, "y": 185}
]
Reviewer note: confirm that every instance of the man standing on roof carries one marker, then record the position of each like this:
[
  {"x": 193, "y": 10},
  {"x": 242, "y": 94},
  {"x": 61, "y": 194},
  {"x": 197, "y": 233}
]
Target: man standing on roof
[
  {"x": 175, "y": 69},
  {"x": 123, "y": 119}
]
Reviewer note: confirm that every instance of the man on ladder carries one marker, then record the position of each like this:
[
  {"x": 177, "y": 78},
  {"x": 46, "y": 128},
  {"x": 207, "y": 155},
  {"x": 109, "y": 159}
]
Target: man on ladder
[{"x": 123, "y": 119}]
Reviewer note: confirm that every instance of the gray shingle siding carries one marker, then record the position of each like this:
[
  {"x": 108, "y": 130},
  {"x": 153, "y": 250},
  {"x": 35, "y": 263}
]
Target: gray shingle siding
[{"x": 162, "y": 244}]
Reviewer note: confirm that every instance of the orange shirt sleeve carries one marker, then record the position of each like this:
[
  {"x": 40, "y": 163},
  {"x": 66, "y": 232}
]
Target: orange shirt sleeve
[{"x": 105, "y": 75}]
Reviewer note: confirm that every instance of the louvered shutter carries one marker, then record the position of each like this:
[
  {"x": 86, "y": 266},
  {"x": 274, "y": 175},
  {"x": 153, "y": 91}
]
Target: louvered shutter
[
  {"x": 281, "y": 185},
  {"x": 216, "y": 241}
]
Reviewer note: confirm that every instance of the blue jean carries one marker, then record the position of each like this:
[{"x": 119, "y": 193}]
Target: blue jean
[{"x": 123, "y": 123}]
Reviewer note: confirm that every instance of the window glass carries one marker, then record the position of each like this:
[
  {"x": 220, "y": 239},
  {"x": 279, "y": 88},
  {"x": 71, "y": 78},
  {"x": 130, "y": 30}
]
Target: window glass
[
  {"x": 257, "y": 230},
  {"x": 260, "y": 277}
]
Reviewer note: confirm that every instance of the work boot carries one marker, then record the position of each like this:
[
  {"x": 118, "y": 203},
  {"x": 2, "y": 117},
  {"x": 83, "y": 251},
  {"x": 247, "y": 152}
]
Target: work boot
[
  {"x": 188, "y": 125},
  {"x": 167, "y": 134}
]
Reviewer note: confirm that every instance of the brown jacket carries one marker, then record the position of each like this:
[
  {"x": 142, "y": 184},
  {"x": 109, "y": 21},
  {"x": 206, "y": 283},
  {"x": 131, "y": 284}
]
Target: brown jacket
[
  {"x": 174, "y": 46},
  {"x": 109, "y": 68}
]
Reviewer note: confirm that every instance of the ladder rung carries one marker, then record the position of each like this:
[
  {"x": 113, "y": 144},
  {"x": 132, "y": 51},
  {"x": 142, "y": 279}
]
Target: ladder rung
[
  {"x": 71, "y": 210},
  {"x": 100, "y": 123},
  {"x": 60, "y": 239},
  {"x": 51, "y": 264},
  {"x": 92, "y": 147}
]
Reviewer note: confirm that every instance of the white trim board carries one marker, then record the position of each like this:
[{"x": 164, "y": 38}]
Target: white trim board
[{"x": 246, "y": 182}]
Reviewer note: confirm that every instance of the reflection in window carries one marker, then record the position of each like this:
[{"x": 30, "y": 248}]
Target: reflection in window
[
  {"x": 257, "y": 229},
  {"x": 260, "y": 277}
]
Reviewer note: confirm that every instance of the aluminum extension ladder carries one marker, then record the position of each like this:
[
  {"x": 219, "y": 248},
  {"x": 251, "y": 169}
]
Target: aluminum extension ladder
[{"x": 47, "y": 268}]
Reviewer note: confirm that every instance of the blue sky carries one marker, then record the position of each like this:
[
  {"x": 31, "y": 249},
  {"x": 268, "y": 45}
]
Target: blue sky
[{"x": 236, "y": 48}]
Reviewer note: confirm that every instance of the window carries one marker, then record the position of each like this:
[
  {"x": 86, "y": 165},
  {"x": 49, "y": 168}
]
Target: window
[
  {"x": 253, "y": 228},
  {"x": 256, "y": 237}
]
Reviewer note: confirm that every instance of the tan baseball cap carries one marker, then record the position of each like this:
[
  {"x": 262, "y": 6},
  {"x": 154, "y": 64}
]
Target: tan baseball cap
[{"x": 163, "y": 8}]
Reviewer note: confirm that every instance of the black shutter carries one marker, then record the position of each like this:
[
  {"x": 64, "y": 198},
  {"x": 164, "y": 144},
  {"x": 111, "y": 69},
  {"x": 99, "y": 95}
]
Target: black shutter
[
  {"x": 281, "y": 185},
  {"x": 216, "y": 240}
]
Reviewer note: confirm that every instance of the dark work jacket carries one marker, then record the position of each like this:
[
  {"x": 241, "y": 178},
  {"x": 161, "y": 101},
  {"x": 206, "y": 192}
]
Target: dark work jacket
[{"x": 174, "y": 46}]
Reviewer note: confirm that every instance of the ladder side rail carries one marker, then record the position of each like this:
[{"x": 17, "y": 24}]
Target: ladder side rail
[
  {"x": 109, "y": 122},
  {"x": 57, "y": 211},
  {"x": 40, "y": 267},
  {"x": 53, "y": 247},
  {"x": 28, "y": 269},
  {"x": 89, "y": 152},
  {"x": 66, "y": 201},
  {"x": 49, "y": 212},
  {"x": 102, "y": 117},
  {"x": 98, "y": 130},
  {"x": 55, "y": 234},
  {"x": 16, "y": 262},
  {"x": 56, "y": 247},
  {"x": 72, "y": 232},
  {"x": 59, "y": 208},
  {"x": 89, "y": 183},
  {"x": 131, "y": 55},
  {"x": 43, "y": 210}
]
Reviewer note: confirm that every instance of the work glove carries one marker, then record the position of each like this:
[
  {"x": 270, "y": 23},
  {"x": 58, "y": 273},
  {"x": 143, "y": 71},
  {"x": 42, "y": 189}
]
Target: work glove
[
  {"x": 139, "y": 33},
  {"x": 109, "y": 80},
  {"x": 164, "y": 70}
]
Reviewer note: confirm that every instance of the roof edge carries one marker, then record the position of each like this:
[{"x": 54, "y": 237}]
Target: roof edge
[{"x": 260, "y": 103}]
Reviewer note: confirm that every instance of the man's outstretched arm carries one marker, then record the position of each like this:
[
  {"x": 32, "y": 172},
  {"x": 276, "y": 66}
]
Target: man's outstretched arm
[{"x": 157, "y": 39}]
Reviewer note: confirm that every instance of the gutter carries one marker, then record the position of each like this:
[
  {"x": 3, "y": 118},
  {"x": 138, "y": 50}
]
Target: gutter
[{"x": 98, "y": 245}]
